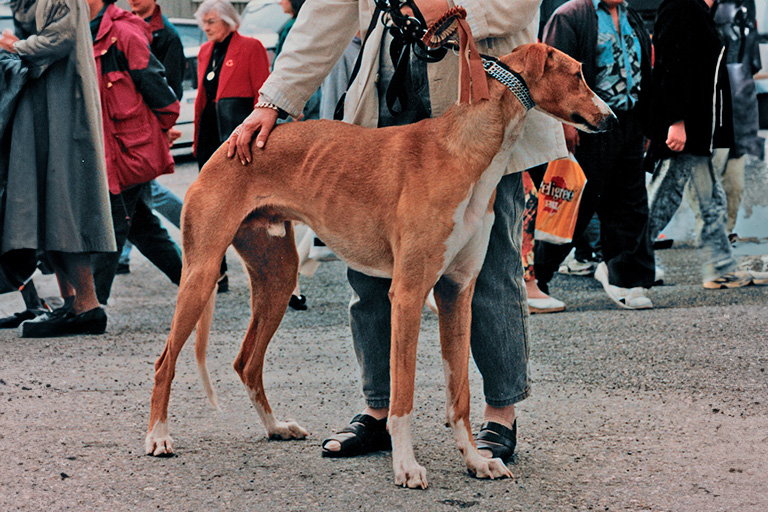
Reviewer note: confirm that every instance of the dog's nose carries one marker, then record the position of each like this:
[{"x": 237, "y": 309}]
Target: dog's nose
[{"x": 609, "y": 123}]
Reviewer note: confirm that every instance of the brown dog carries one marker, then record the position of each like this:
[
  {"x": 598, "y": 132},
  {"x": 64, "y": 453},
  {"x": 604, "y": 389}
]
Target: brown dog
[{"x": 414, "y": 203}]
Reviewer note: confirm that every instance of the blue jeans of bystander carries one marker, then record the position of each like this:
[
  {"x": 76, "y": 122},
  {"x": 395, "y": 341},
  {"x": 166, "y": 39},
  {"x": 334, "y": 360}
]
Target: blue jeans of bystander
[{"x": 665, "y": 194}]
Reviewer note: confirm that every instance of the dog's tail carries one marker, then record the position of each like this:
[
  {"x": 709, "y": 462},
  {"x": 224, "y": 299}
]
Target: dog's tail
[{"x": 201, "y": 344}]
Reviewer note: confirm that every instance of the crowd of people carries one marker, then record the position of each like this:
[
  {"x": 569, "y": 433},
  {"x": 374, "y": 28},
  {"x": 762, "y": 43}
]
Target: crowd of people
[{"x": 96, "y": 92}]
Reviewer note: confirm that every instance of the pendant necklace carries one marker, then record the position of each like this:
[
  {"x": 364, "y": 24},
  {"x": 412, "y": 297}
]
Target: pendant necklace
[{"x": 212, "y": 74}]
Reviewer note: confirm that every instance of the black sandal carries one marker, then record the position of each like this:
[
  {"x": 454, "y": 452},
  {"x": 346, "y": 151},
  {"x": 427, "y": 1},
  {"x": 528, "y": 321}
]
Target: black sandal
[
  {"x": 363, "y": 435},
  {"x": 497, "y": 438}
]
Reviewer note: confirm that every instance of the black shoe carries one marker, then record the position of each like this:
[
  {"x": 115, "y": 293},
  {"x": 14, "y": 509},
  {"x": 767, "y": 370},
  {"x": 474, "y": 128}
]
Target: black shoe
[
  {"x": 223, "y": 284},
  {"x": 63, "y": 322},
  {"x": 15, "y": 320},
  {"x": 363, "y": 435},
  {"x": 123, "y": 268},
  {"x": 298, "y": 303}
]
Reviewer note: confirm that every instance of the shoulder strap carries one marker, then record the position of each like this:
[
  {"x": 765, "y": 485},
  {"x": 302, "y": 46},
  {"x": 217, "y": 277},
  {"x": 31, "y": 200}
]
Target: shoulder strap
[{"x": 338, "y": 114}]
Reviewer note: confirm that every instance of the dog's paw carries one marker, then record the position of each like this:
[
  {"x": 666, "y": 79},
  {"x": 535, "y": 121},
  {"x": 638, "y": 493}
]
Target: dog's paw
[
  {"x": 158, "y": 442},
  {"x": 411, "y": 475},
  {"x": 489, "y": 468},
  {"x": 285, "y": 430}
]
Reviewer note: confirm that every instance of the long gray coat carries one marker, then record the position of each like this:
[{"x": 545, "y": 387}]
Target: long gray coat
[{"x": 57, "y": 197}]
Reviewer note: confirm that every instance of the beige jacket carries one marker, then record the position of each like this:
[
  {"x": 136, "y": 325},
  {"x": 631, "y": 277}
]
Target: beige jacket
[{"x": 324, "y": 28}]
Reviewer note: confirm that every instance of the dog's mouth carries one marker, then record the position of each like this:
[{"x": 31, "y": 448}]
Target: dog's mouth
[
  {"x": 583, "y": 123},
  {"x": 606, "y": 124}
]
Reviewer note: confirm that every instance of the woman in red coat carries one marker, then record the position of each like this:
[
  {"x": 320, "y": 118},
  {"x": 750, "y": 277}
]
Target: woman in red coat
[{"x": 230, "y": 71}]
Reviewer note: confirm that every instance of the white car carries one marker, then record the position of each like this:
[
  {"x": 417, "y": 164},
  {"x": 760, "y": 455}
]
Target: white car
[
  {"x": 261, "y": 19},
  {"x": 6, "y": 18}
]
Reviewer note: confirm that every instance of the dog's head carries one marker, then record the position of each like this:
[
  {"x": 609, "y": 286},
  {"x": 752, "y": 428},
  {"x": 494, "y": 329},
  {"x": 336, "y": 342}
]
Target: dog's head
[{"x": 557, "y": 86}]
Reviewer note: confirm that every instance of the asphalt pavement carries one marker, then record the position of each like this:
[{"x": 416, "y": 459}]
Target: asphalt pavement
[{"x": 658, "y": 410}]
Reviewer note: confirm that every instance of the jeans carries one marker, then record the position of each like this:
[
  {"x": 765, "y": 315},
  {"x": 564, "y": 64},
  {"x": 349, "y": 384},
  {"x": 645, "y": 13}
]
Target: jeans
[
  {"x": 164, "y": 202},
  {"x": 499, "y": 336},
  {"x": 666, "y": 193},
  {"x": 134, "y": 220}
]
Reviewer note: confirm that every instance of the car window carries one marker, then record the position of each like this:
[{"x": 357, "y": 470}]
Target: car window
[
  {"x": 191, "y": 35},
  {"x": 261, "y": 18}
]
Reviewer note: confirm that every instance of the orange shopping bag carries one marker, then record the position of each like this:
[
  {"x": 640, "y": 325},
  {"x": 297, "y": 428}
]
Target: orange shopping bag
[{"x": 559, "y": 199}]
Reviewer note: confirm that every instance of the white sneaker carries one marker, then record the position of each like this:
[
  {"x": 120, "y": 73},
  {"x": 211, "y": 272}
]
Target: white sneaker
[
  {"x": 738, "y": 279},
  {"x": 627, "y": 298},
  {"x": 548, "y": 305},
  {"x": 574, "y": 267}
]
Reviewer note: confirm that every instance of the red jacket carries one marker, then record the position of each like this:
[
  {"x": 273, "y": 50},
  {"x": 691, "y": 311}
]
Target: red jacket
[
  {"x": 137, "y": 104},
  {"x": 245, "y": 68}
]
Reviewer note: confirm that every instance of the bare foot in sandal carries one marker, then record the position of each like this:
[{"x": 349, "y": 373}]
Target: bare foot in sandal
[
  {"x": 498, "y": 434},
  {"x": 366, "y": 433}
]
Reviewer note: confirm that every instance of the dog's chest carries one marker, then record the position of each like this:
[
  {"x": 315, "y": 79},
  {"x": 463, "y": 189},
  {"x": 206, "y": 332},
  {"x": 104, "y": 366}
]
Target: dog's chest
[{"x": 472, "y": 217}]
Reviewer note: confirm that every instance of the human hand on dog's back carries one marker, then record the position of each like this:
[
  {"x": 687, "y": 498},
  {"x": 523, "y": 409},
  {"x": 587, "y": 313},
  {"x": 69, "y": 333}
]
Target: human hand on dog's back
[{"x": 260, "y": 121}]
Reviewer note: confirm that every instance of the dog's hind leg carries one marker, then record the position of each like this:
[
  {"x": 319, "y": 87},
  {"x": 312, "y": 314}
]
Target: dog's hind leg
[
  {"x": 272, "y": 264},
  {"x": 195, "y": 292},
  {"x": 206, "y": 234},
  {"x": 454, "y": 304}
]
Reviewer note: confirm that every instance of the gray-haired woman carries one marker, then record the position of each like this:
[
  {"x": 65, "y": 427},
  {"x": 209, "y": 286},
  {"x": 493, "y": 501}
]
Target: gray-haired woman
[{"x": 230, "y": 71}]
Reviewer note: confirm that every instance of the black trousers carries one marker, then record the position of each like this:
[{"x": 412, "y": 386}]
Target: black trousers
[
  {"x": 134, "y": 220},
  {"x": 615, "y": 190}
]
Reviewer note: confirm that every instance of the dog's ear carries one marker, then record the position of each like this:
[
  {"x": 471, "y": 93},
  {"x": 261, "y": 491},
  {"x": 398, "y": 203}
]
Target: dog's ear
[{"x": 536, "y": 60}]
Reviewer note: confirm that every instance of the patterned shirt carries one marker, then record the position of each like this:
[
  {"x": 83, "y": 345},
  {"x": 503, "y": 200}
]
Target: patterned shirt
[{"x": 618, "y": 59}]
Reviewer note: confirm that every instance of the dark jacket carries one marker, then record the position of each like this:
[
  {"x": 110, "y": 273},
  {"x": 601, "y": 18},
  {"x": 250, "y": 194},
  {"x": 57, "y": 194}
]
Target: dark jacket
[
  {"x": 573, "y": 30},
  {"x": 244, "y": 69},
  {"x": 166, "y": 46},
  {"x": 137, "y": 104},
  {"x": 13, "y": 76},
  {"x": 690, "y": 80}
]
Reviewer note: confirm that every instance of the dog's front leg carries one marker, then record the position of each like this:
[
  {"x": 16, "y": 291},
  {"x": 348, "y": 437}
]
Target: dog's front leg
[
  {"x": 454, "y": 303},
  {"x": 407, "y": 301}
]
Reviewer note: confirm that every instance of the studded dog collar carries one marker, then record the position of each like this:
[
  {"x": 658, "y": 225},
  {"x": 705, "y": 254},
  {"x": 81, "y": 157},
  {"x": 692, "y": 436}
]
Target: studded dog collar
[{"x": 511, "y": 80}]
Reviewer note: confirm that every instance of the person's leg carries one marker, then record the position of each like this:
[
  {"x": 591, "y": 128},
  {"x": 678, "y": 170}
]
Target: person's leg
[
  {"x": 75, "y": 270},
  {"x": 538, "y": 301},
  {"x": 124, "y": 263},
  {"x": 623, "y": 213},
  {"x": 591, "y": 155},
  {"x": 152, "y": 239},
  {"x": 369, "y": 315},
  {"x": 717, "y": 258},
  {"x": 665, "y": 192},
  {"x": 166, "y": 203},
  {"x": 84, "y": 316},
  {"x": 499, "y": 337},
  {"x": 105, "y": 264},
  {"x": 35, "y": 306},
  {"x": 733, "y": 186}
]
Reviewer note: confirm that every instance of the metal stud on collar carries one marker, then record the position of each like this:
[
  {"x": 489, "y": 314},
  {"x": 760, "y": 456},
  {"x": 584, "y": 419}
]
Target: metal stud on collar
[{"x": 510, "y": 80}]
